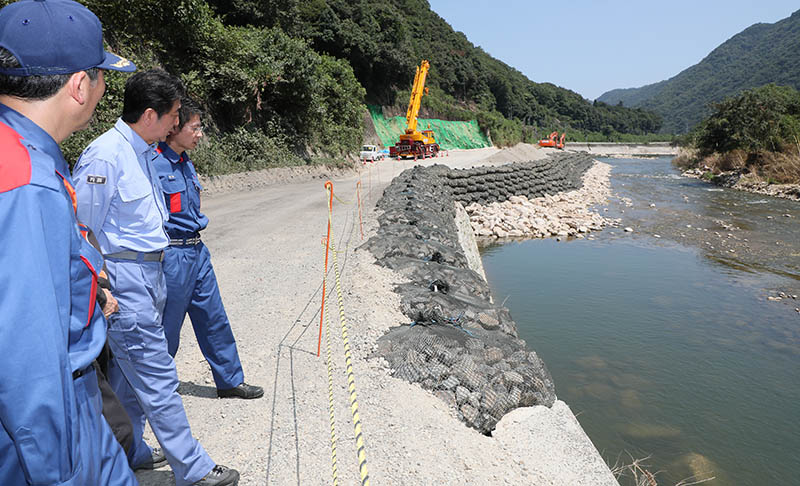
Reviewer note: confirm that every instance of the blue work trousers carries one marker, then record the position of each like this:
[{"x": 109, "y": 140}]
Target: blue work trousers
[
  {"x": 192, "y": 287},
  {"x": 143, "y": 373},
  {"x": 99, "y": 459}
]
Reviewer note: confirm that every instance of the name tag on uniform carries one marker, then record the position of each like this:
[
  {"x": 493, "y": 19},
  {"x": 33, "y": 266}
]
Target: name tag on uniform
[
  {"x": 171, "y": 177},
  {"x": 96, "y": 179}
]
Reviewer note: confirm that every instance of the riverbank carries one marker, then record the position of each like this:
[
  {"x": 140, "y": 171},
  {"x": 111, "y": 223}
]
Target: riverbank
[
  {"x": 562, "y": 215},
  {"x": 268, "y": 261},
  {"x": 772, "y": 174},
  {"x": 746, "y": 182}
]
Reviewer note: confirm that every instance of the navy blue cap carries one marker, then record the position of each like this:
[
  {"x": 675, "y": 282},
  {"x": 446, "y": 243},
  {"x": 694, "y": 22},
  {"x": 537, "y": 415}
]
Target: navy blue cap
[{"x": 55, "y": 37}]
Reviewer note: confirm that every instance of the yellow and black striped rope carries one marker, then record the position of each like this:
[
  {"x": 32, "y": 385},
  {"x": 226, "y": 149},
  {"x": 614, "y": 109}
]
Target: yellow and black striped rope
[
  {"x": 351, "y": 382},
  {"x": 334, "y": 470},
  {"x": 346, "y": 203}
]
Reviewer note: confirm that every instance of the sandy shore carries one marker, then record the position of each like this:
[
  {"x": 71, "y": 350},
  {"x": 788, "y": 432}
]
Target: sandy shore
[{"x": 269, "y": 261}]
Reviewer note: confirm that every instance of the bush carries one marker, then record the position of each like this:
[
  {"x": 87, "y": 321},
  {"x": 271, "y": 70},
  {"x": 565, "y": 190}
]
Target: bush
[
  {"x": 338, "y": 128},
  {"x": 242, "y": 150},
  {"x": 761, "y": 119},
  {"x": 756, "y": 132},
  {"x": 261, "y": 87}
]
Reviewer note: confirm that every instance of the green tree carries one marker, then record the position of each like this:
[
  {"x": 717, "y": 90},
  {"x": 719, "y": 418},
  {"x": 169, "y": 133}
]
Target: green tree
[{"x": 761, "y": 119}]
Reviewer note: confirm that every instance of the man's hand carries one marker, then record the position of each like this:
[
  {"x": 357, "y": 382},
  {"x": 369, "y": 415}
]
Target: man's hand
[{"x": 111, "y": 304}]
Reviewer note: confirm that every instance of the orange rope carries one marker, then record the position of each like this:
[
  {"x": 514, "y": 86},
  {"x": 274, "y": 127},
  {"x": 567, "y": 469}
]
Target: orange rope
[{"x": 329, "y": 191}]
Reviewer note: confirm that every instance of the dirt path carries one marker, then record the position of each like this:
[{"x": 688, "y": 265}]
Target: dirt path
[{"x": 268, "y": 256}]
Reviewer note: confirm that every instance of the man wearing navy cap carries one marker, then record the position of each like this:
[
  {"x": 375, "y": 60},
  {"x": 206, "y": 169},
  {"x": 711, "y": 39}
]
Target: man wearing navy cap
[
  {"x": 120, "y": 200},
  {"x": 52, "y": 328}
]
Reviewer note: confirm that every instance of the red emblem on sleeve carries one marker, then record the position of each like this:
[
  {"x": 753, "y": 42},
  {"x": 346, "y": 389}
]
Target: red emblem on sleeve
[{"x": 15, "y": 162}]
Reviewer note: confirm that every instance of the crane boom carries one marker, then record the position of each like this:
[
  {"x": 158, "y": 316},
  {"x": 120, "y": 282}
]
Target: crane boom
[
  {"x": 415, "y": 143},
  {"x": 417, "y": 91}
]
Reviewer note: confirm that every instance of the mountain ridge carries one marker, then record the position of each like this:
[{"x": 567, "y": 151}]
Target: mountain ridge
[{"x": 760, "y": 54}]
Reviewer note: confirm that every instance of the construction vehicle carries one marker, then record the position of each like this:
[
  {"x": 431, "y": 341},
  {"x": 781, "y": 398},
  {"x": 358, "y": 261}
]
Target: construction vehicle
[
  {"x": 551, "y": 141},
  {"x": 414, "y": 143}
]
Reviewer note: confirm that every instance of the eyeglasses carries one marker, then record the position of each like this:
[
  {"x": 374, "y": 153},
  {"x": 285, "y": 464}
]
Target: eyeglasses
[{"x": 197, "y": 129}]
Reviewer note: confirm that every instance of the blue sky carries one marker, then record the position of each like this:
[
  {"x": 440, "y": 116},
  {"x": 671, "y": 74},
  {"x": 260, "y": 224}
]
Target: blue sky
[{"x": 593, "y": 46}]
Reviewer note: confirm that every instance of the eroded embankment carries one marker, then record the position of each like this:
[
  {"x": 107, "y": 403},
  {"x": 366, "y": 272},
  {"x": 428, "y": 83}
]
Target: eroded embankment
[{"x": 460, "y": 344}]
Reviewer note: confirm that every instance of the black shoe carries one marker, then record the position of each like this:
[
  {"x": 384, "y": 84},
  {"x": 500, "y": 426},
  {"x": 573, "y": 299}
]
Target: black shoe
[
  {"x": 242, "y": 391},
  {"x": 157, "y": 460},
  {"x": 220, "y": 476}
]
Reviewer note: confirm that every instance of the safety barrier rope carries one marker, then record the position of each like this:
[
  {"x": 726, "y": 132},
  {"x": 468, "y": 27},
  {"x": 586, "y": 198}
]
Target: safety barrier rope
[
  {"x": 334, "y": 471},
  {"x": 351, "y": 382},
  {"x": 360, "y": 222},
  {"x": 329, "y": 189},
  {"x": 347, "y": 203},
  {"x": 351, "y": 385}
]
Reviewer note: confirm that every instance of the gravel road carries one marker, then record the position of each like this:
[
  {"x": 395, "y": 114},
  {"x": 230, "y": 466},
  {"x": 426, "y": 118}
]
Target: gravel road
[{"x": 269, "y": 259}]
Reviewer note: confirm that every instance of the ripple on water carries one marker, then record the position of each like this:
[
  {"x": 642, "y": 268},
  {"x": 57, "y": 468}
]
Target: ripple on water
[{"x": 672, "y": 350}]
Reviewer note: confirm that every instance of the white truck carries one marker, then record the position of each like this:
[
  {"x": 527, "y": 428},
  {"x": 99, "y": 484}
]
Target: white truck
[{"x": 370, "y": 153}]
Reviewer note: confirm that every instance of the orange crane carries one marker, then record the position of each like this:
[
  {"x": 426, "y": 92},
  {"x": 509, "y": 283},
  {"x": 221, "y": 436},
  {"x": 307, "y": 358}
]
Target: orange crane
[{"x": 414, "y": 143}]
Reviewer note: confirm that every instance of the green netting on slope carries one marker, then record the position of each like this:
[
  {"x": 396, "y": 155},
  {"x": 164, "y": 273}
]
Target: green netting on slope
[{"x": 449, "y": 134}]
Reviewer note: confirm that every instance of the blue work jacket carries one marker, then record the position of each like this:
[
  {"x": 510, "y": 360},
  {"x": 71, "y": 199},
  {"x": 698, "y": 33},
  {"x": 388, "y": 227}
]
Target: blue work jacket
[
  {"x": 119, "y": 196},
  {"x": 181, "y": 192},
  {"x": 50, "y": 322}
]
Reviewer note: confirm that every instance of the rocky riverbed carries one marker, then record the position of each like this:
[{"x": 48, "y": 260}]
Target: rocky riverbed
[{"x": 566, "y": 214}]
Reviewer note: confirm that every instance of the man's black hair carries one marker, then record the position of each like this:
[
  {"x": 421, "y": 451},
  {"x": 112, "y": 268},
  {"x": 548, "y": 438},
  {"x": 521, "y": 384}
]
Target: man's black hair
[
  {"x": 32, "y": 87},
  {"x": 156, "y": 89},
  {"x": 189, "y": 108}
]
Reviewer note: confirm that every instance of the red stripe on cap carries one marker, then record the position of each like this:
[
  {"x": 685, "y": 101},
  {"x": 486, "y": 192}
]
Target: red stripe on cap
[{"x": 15, "y": 162}]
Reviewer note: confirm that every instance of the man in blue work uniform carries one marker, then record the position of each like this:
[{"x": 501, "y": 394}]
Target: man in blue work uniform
[
  {"x": 191, "y": 282},
  {"x": 52, "y": 67},
  {"x": 119, "y": 198}
]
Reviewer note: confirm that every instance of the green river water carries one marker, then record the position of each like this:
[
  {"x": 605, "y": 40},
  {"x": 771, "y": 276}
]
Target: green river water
[{"x": 663, "y": 341}]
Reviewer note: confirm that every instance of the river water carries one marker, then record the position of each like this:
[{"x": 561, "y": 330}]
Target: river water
[{"x": 663, "y": 340}]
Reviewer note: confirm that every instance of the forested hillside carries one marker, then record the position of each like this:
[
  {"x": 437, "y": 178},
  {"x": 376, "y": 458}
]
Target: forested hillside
[
  {"x": 384, "y": 40},
  {"x": 287, "y": 81},
  {"x": 759, "y": 55}
]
